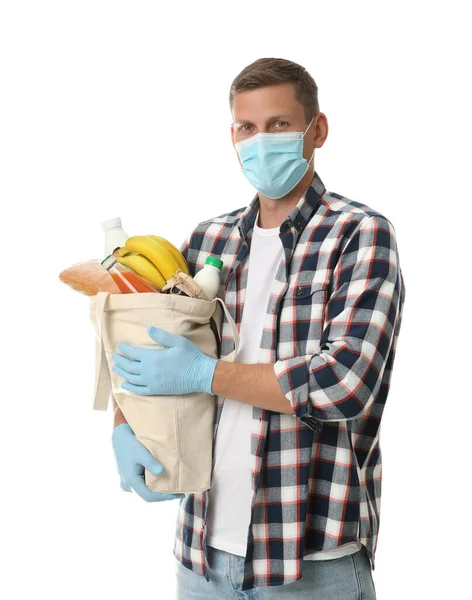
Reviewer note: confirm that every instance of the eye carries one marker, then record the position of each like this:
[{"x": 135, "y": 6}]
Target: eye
[
  {"x": 241, "y": 128},
  {"x": 284, "y": 122}
]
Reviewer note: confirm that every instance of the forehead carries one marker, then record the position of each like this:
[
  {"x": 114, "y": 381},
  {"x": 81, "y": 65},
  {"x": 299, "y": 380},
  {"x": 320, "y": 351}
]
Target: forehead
[{"x": 267, "y": 102}]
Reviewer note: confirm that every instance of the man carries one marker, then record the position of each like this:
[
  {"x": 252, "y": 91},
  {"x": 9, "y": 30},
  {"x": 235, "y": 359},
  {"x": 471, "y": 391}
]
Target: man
[{"x": 313, "y": 281}]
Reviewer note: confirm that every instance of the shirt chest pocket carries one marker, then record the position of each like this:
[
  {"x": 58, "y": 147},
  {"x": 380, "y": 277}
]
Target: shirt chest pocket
[{"x": 301, "y": 321}]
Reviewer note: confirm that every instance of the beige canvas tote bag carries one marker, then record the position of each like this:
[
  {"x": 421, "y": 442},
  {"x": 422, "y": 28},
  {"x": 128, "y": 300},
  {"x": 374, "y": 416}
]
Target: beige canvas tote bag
[{"x": 177, "y": 430}]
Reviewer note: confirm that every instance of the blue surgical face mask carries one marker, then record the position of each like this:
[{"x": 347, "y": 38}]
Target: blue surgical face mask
[{"x": 274, "y": 162}]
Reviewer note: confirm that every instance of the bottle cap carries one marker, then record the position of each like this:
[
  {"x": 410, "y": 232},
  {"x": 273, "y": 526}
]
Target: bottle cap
[
  {"x": 109, "y": 261},
  {"x": 215, "y": 262},
  {"x": 111, "y": 223}
]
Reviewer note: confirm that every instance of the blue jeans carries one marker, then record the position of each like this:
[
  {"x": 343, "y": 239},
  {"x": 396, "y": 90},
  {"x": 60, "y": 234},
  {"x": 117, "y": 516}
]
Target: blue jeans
[{"x": 345, "y": 578}]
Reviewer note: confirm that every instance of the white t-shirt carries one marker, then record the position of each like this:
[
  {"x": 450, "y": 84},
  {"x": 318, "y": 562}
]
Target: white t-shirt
[{"x": 230, "y": 494}]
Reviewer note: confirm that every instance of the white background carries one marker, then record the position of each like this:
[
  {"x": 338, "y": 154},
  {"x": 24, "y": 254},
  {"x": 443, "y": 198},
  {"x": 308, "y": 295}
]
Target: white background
[{"x": 121, "y": 108}]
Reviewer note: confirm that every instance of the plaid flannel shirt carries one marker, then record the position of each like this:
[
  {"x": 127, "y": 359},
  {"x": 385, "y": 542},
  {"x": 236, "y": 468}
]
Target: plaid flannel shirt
[{"x": 331, "y": 328}]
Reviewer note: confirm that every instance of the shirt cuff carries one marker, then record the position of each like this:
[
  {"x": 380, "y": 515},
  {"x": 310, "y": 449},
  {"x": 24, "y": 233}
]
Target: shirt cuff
[{"x": 293, "y": 377}]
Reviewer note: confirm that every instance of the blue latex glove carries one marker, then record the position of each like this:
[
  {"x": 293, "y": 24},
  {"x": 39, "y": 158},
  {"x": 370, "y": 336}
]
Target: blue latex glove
[
  {"x": 131, "y": 459},
  {"x": 181, "y": 368}
]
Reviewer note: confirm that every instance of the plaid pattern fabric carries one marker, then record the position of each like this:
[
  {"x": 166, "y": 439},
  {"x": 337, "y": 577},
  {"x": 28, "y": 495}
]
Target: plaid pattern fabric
[{"x": 331, "y": 329}]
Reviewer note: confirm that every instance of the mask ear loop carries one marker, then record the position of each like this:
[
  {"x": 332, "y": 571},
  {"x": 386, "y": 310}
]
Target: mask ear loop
[
  {"x": 309, "y": 126},
  {"x": 304, "y": 136},
  {"x": 308, "y": 164}
]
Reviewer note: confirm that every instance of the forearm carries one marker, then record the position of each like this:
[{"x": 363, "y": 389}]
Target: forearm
[
  {"x": 252, "y": 384},
  {"x": 118, "y": 417}
]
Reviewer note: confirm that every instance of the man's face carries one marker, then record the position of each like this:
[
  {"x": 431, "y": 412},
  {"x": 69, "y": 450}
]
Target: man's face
[{"x": 272, "y": 109}]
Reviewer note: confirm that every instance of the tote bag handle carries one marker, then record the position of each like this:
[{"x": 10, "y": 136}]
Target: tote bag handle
[
  {"x": 234, "y": 331},
  {"x": 102, "y": 374}
]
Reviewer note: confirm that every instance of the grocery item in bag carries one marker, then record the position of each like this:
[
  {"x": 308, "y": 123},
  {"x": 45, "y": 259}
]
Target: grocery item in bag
[
  {"x": 89, "y": 278},
  {"x": 142, "y": 263},
  {"x": 127, "y": 272},
  {"x": 127, "y": 280},
  {"x": 151, "y": 257},
  {"x": 115, "y": 236},
  {"x": 209, "y": 277}
]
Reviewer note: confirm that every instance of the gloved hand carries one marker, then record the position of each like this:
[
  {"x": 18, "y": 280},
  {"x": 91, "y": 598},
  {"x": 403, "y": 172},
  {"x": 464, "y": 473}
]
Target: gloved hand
[
  {"x": 131, "y": 459},
  {"x": 181, "y": 368}
]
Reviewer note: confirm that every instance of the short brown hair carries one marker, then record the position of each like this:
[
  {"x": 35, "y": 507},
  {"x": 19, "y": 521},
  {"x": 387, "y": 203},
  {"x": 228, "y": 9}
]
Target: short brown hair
[{"x": 270, "y": 71}]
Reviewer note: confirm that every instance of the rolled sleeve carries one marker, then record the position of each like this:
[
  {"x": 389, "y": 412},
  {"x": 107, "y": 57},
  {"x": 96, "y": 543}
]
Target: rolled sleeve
[{"x": 342, "y": 379}]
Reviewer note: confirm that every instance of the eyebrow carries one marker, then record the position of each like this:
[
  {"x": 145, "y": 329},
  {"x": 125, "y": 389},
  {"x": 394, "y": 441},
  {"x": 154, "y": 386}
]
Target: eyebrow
[{"x": 273, "y": 118}]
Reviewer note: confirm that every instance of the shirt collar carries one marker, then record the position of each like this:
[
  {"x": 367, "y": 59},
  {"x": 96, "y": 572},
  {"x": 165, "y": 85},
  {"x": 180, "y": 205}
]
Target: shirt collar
[{"x": 298, "y": 217}]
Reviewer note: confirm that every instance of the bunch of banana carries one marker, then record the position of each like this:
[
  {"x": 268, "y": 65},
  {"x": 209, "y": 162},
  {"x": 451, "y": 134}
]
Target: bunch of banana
[{"x": 152, "y": 257}]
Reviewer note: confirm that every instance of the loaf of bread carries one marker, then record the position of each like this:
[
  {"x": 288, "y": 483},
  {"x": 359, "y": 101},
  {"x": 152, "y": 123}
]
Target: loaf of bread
[{"x": 89, "y": 278}]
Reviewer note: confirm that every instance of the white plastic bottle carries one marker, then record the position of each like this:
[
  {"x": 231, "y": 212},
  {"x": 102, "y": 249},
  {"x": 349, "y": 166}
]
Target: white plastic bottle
[
  {"x": 209, "y": 277},
  {"x": 115, "y": 237}
]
